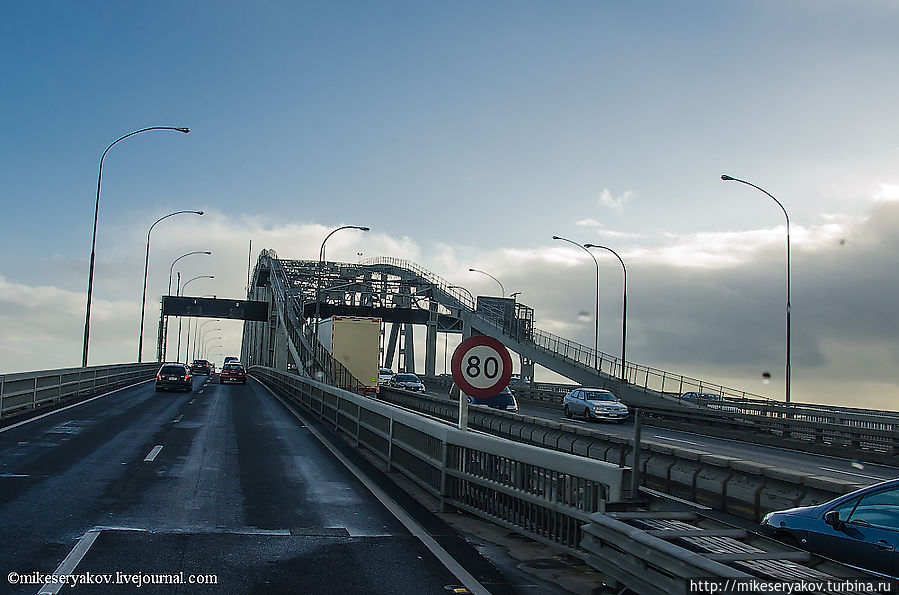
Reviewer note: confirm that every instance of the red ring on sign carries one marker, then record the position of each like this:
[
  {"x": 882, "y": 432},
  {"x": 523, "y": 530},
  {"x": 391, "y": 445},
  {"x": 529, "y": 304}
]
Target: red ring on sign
[{"x": 502, "y": 379}]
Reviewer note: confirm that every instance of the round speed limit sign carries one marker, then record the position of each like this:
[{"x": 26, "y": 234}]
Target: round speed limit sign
[{"x": 481, "y": 366}]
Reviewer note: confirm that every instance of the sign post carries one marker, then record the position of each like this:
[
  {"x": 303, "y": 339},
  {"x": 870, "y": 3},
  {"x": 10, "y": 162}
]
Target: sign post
[{"x": 481, "y": 367}]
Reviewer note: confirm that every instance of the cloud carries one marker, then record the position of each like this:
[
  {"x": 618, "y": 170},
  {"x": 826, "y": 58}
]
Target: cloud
[
  {"x": 615, "y": 203},
  {"x": 887, "y": 192},
  {"x": 707, "y": 305}
]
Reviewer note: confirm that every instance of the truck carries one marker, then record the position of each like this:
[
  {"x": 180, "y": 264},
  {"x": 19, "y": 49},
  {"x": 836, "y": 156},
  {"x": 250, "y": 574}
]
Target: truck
[{"x": 355, "y": 342}]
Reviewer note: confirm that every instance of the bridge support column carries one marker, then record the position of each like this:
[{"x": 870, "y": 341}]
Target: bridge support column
[
  {"x": 527, "y": 368},
  {"x": 431, "y": 342},
  {"x": 408, "y": 348},
  {"x": 391, "y": 345}
]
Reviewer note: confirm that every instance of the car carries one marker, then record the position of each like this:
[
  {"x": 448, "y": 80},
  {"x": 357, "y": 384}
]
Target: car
[
  {"x": 231, "y": 358},
  {"x": 860, "y": 529},
  {"x": 504, "y": 400},
  {"x": 174, "y": 376},
  {"x": 709, "y": 400},
  {"x": 201, "y": 366},
  {"x": 407, "y": 382},
  {"x": 594, "y": 404},
  {"x": 233, "y": 372},
  {"x": 384, "y": 376}
]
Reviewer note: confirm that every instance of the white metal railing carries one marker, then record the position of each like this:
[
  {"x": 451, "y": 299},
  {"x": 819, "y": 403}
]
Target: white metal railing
[
  {"x": 27, "y": 390},
  {"x": 548, "y": 495}
]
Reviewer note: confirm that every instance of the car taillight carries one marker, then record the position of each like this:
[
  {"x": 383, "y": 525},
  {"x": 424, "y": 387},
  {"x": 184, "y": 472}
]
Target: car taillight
[
  {"x": 187, "y": 376},
  {"x": 158, "y": 376}
]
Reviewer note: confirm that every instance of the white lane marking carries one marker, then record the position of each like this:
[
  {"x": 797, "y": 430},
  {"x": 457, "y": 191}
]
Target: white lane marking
[
  {"x": 854, "y": 474},
  {"x": 401, "y": 515},
  {"x": 678, "y": 440},
  {"x": 155, "y": 451},
  {"x": 28, "y": 421},
  {"x": 12, "y": 475},
  {"x": 71, "y": 562}
]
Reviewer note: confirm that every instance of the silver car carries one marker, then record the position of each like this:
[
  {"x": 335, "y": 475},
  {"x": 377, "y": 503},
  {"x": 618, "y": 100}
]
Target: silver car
[
  {"x": 407, "y": 382},
  {"x": 594, "y": 404}
]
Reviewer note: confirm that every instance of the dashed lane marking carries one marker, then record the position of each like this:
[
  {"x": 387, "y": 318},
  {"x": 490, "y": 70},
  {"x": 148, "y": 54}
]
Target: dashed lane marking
[{"x": 155, "y": 451}]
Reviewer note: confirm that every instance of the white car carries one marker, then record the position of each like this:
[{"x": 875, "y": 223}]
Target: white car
[
  {"x": 384, "y": 376},
  {"x": 710, "y": 400},
  {"x": 594, "y": 404}
]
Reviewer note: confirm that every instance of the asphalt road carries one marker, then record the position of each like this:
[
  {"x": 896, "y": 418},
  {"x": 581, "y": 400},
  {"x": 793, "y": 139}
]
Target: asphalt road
[
  {"x": 223, "y": 486},
  {"x": 836, "y": 467}
]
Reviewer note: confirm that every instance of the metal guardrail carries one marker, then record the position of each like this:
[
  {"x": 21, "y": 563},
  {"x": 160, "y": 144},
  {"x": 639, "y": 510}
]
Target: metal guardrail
[
  {"x": 659, "y": 553},
  {"x": 27, "y": 390},
  {"x": 544, "y": 494}
]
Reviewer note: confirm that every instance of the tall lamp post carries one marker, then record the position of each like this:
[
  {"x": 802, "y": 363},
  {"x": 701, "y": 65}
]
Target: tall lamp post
[
  {"x": 143, "y": 302},
  {"x": 90, "y": 278},
  {"x": 623, "y": 311},
  {"x": 181, "y": 292},
  {"x": 727, "y": 178},
  {"x": 502, "y": 289},
  {"x": 198, "y": 334},
  {"x": 318, "y": 278},
  {"x": 596, "y": 313},
  {"x": 165, "y": 330}
]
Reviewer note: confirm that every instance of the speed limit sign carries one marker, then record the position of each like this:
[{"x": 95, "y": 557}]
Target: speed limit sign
[{"x": 481, "y": 366}]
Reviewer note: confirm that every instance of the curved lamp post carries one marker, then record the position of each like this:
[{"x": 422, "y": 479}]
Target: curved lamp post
[
  {"x": 165, "y": 338},
  {"x": 198, "y": 331},
  {"x": 90, "y": 278},
  {"x": 143, "y": 302},
  {"x": 318, "y": 278},
  {"x": 206, "y": 344},
  {"x": 180, "y": 292},
  {"x": 623, "y": 311},
  {"x": 727, "y": 178},
  {"x": 471, "y": 297},
  {"x": 501, "y": 288},
  {"x": 596, "y": 323}
]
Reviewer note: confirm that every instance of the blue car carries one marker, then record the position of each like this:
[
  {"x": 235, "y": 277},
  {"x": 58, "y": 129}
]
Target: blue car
[{"x": 860, "y": 529}]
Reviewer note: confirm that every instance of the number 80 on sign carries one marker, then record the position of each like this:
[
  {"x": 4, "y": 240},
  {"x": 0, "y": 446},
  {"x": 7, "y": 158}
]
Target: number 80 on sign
[{"x": 481, "y": 366}]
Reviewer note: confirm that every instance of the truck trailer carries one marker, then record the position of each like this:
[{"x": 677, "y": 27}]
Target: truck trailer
[{"x": 355, "y": 342}]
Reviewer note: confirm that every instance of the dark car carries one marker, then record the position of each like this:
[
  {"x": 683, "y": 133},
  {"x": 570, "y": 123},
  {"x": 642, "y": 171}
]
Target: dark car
[
  {"x": 860, "y": 529},
  {"x": 594, "y": 404},
  {"x": 201, "y": 366},
  {"x": 233, "y": 372},
  {"x": 503, "y": 400},
  {"x": 174, "y": 377}
]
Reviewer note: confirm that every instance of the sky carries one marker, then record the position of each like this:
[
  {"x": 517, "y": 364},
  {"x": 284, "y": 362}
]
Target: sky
[{"x": 466, "y": 134}]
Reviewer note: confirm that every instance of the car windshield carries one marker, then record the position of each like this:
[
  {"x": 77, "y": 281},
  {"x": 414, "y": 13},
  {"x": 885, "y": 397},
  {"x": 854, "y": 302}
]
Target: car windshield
[
  {"x": 407, "y": 378},
  {"x": 599, "y": 395},
  {"x": 172, "y": 370},
  {"x": 233, "y": 367}
]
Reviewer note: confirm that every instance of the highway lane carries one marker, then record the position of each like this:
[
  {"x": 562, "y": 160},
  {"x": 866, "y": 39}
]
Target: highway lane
[
  {"x": 835, "y": 467},
  {"x": 223, "y": 483}
]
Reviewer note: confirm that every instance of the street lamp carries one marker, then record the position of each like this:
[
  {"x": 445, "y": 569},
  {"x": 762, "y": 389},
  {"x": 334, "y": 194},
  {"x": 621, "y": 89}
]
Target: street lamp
[
  {"x": 181, "y": 292},
  {"x": 90, "y": 278},
  {"x": 727, "y": 178},
  {"x": 206, "y": 344},
  {"x": 198, "y": 331},
  {"x": 623, "y": 310},
  {"x": 471, "y": 297},
  {"x": 318, "y": 279},
  {"x": 596, "y": 322},
  {"x": 143, "y": 303},
  {"x": 165, "y": 338},
  {"x": 501, "y": 288}
]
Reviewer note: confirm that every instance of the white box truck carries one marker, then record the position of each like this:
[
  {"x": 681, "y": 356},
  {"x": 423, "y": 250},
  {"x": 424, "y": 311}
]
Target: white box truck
[{"x": 355, "y": 342}]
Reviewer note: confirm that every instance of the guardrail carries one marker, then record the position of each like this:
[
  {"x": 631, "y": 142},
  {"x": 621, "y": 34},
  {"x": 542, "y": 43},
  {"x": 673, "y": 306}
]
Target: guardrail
[
  {"x": 739, "y": 487},
  {"x": 27, "y": 390},
  {"x": 838, "y": 431},
  {"x": 544, "y": 494}
]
